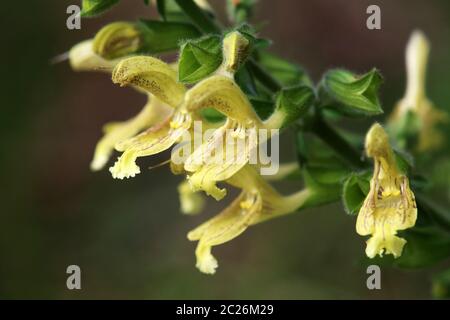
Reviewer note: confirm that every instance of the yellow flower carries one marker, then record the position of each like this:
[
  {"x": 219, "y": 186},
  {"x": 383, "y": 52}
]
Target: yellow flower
[
  {"x": 83, "y": 58},
  {"x": 238, "y": 137},
  {"x": 415, "y": 99},
  {"x": 152, "y": 75},
  {"x": 152, "y": 141},
  {"x": 153, "y": 112},
  {"x": 117, "y": 39},
  {"x": 236, "y": 140},
  {"x": 390, "y": 205},
  {"x": 191, "y": 202},
  {"x": 218, "y": 91},
  {"x": 159, "y": 79},
  {"x": 222, "y": 93},
  {"x": 257, "y": 202}
]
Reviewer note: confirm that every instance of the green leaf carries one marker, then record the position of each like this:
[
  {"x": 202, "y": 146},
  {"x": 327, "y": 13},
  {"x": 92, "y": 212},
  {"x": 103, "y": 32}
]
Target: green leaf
[
  {"x": 426, "y": 246},
  {"x": 301, "y": 148},
  {"x": 312, "y": 150},
  {"x": 286, "y": 73},
  {"x": 324, "y": 181},
  {"x": 263, "y": 107},
  {"x": 404, "y": 160},
  {"x": 244, "y": 78},
  {"x": 323, "y": 172},
  {"x": 354, "y": 191},
  {"x": 92, "y": 8},
  {"x": 429, "y": 240},
  {"x": 294, "y": 102},
  {"x": 160, "y": 36},
  {"x": 199, "y": 58},
  {"x": 351, "y": 94}
]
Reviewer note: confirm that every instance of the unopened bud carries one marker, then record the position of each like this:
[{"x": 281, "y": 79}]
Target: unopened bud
[{"x": 117, "y": 40}]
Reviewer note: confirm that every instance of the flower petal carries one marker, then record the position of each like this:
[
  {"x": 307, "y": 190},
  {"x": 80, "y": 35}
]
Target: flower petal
[
  {"x": 155, "y": 140},
  {"x": 191, "y": 201},
  {"x": 115, "y": 132},
  {"x": 224, "y": 227},
  {"x": 152, "y": 75},
  {"x": 222, "y": 156},
  {"x": 83, "y": 58},
  {"x": 223, "y": 94}
]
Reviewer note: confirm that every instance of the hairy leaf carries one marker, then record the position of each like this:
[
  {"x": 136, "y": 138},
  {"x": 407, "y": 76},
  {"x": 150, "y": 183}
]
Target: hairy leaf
[
  {"x": 92, "y": 8},
  {"x": 199, "y": 58},
  {"x": 354, "y": 191},
  {"x": 351, "y": 94},
  {"x": 160, "y": 36}
]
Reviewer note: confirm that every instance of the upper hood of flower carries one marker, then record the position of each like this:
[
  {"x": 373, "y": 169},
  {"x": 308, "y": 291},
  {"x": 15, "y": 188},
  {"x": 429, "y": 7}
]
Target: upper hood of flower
[{"x": 152, "y": 75}]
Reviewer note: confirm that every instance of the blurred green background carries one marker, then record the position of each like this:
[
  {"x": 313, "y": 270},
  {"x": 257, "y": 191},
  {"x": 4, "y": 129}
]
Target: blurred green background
[{"x": 128, "y": 237}]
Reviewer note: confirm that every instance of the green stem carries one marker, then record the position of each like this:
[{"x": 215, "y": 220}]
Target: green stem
[
  {"x": 198, "y": 16},
  {"x": 341, "y": 146}
]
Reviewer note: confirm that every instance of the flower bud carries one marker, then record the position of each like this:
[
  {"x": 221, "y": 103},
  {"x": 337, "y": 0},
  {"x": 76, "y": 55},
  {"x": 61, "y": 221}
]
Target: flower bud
[
  {"x": 83, "y": 58},
  {"x": 116, "y": 40},
  {"x": 235, "y": 51}
]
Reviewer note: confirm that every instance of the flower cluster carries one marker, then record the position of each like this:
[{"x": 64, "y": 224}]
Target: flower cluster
[
  {"x": 167, "y": 118},
  {"x": 227, "y": 89}
]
